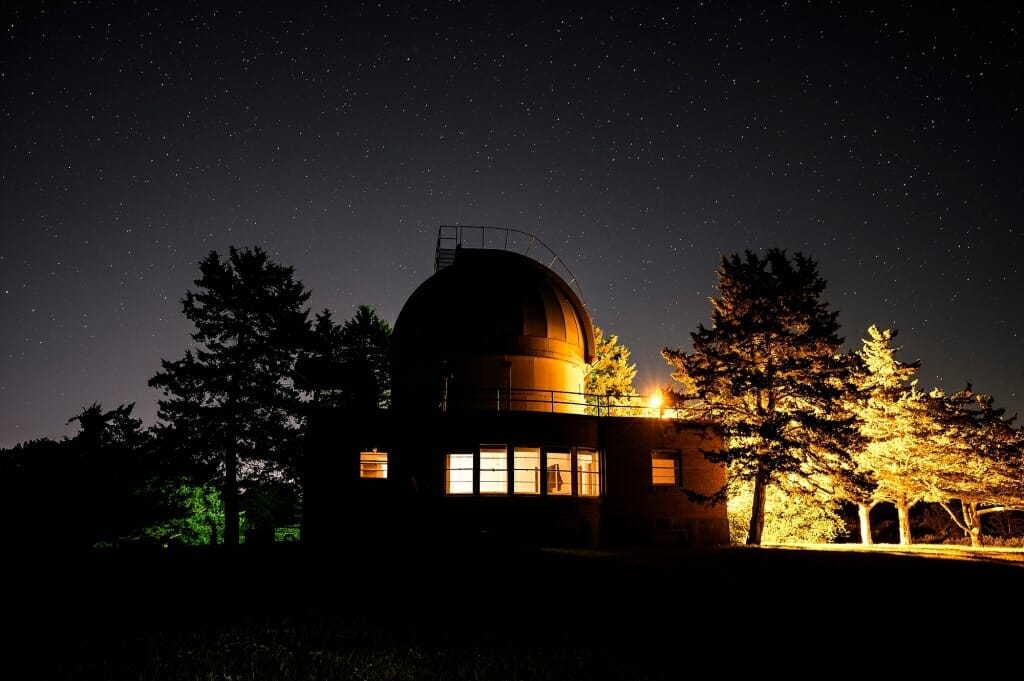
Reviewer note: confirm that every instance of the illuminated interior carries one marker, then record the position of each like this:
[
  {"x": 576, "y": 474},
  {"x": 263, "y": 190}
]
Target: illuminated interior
[
  {"x": 458, "y": 474},
  {"x": 559, "y": 473},
  {"x": 533, "y": 471},
  {"x": 526, "y": 464},
  {"x": 493, "y": 470},
  {"x": 373, "y": 464},
  {"x": 665, "y": 467},
  {"x": 588, "y": 472}
]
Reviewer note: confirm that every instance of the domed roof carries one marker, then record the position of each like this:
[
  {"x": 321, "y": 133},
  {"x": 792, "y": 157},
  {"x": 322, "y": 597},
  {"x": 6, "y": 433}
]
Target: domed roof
[{"x": 490, "y": 301}]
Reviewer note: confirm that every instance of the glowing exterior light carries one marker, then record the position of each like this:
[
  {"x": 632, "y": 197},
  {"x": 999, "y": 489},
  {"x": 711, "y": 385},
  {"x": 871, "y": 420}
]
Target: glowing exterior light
[{"x": 656, "y": 404}]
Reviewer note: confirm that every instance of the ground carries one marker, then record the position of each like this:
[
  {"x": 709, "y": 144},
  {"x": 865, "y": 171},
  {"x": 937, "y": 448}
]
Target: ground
[{"x": 291, "y": 611}]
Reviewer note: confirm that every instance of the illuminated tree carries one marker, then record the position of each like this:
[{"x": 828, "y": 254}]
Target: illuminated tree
[
  {"x": 978, "y": 459},
  {"x": 892, "y": 411},
  {"x": 768, "y": 370},
  {"x": 787, "y": 521},
  {"x": 608, "y": 380},
  {"x": 194, "y": 515},
  {"x": 231, "y": 403}
]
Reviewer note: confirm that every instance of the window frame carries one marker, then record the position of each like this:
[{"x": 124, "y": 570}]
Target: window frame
[
  {"x": 467, "y": 459},
  {"x": 373, "y": 460},
  {"x": 674, "y": 456},
  {"x": 498, "y": 481},
  {"x": 521, "y": 477},
  {"x": 585, "y": 481}
]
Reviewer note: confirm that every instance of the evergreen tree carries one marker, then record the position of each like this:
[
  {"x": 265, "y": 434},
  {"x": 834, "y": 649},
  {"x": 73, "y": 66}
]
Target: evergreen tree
[
  {"x": 110, "y": 463},
  {"x": 769, "y": 372},
  {"x": 230, "y": 403},
  {"x": 891, "y": 409},
  {"x": 349, "y": 366},
  {"x": 608, "y": 380},
  {"x": 366, "y": 357},
  {"x": 978, "y": 459}
]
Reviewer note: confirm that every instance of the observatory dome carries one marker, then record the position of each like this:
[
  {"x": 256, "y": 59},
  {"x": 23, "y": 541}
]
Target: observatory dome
[{"x": 495, "y": 324}]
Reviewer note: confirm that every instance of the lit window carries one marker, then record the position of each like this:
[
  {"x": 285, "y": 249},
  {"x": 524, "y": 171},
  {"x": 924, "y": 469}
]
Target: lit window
[
  {"x": 559, "y": 473},
  {"x": 458, "y": 473},
  {"x": 665, "y": 467},
  {"x": 588, "y": 473},
  {"x": 493, "y": 470},
  {"x": 373, "y": 464},
  {"x": 526, "y": 470}
]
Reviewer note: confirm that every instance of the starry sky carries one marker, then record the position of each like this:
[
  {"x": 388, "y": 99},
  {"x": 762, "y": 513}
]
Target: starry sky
[{"x": 640, "y": 142}]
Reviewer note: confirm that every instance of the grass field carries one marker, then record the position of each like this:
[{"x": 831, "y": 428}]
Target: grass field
[{"x": 289, "y": 611}]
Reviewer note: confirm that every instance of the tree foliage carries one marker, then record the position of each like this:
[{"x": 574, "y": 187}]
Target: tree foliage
[
  {"x": 608, "y": 380},
  {"x": 891, "y": 411},
  {"x": 349, "y": 365},
  {"x": 770, "y": 372},
  {"x": 80, "y": 492},
  {"x": 977, "y": 458},
  {"x": 230, "y": 403}
]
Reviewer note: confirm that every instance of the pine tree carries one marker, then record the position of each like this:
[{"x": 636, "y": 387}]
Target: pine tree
[
  {"x": 608, "y": 380},
  {"x": 978, "y": 459},
  {"x": 891, "y": 410},
  {"x": 230, "y": 403},
  {"x": 769, "y": 372},
  {"x": 349, "y": 366},
  {"x": 366, "y": 356}
]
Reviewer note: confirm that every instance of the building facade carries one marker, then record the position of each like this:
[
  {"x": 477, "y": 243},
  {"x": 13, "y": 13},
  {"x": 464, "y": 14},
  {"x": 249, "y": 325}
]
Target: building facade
[{"x": 490, "y": 435}]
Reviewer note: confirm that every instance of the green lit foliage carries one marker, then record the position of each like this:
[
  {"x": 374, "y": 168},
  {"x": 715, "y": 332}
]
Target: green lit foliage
[
  {"x": 608, "y": 380},
  {"x": 195, "y": 516},
  {"x": 769, "y": 371},
  {"x": 231, "y": 404}
]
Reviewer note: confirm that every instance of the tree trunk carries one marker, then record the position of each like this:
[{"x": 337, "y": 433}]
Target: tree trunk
[
  {"x": 230, "y": 493},
  {"x": 757, "y": 508},
  {"x": 972, "y": 519},
  {"x": 903, "y": 516},
  {"x": 864, "y": 514}
]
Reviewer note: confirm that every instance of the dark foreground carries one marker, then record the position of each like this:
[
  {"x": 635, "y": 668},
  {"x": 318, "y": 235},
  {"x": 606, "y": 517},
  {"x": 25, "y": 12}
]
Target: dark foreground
[{"x": 289, "y": 611}]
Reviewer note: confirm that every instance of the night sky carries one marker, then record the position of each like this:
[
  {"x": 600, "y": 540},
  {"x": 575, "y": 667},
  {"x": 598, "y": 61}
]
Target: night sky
[{"x": 640, "y": 142}]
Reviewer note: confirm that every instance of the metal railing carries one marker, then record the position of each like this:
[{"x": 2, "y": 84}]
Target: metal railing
[
  {"x": 551, "y": 401},
  {"x": 450, "y": 237}
]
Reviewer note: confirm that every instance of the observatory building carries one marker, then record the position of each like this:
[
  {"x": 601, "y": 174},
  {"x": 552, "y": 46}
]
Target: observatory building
[{"x": 491, "y": 436}]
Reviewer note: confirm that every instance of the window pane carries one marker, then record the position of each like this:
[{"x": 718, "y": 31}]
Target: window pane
[
  {"x": 588, "y": 469},
  {"x": 373, "y": 464},
  {"x": 559, "y": 473},
  {"x": 493, "y": 470},
  {"x": 527, "y": 470},
  {"x": 458, "y": 475},
  {"x": 665, "y": 468}
]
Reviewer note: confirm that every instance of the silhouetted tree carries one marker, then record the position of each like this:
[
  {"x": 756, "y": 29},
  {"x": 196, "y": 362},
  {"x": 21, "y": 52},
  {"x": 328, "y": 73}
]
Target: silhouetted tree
[
  {"x": 231, "y": 402},
  {"x": 769, "y": 371},
  {"x": 79, "y": 492},
  {"x": 113, "y": 462},
  {"x": 348, "y": 365},
  {"x": 366, "y": 356},
  {"x": 35, "y": 477}
]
